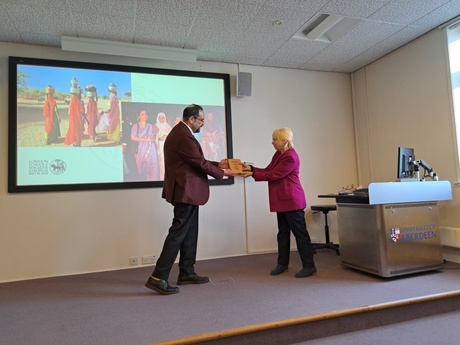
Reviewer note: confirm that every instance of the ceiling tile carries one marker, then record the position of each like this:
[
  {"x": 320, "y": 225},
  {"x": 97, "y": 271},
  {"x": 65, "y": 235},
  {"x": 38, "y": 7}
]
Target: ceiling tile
[
  {"x": 234, "y": 31},
  {"x": 175, "y": 12},
  {"x": 368, "y": 33},
  {"x": 298, "y": 49},
  {"x": 406, "y": 11},
  {"x": 103, "y": 7},
  {"x": 356, "y": 9},
  {"x": 283, "y": 63},
  {"x": 41, "y": 19}
]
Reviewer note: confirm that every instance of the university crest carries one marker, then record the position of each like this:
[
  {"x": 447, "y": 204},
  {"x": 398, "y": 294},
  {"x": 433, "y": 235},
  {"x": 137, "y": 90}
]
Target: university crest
[{"x": 395, "y": 234}]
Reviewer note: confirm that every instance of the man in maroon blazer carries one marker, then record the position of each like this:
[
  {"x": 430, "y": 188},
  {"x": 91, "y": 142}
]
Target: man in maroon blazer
[{"x": 185, "y": 187}]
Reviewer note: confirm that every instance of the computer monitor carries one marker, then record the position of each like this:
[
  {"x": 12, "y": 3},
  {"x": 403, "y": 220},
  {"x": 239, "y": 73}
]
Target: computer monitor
[{"x": 406, "y": 160}]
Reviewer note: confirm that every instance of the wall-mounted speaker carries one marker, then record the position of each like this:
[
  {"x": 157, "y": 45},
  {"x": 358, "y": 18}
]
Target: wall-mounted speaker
[{"x": 244, "y": 84}]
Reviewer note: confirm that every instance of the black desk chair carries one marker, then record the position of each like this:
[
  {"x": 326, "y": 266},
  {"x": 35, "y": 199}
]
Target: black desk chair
[{"x": 328, "y": 244}]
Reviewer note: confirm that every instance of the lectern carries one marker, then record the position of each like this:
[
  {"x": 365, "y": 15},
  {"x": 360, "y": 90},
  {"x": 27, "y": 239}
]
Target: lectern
[{"x": 395, "y": 231}]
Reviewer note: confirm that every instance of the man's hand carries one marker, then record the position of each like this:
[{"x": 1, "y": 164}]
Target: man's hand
[
  {"x": 229, "y": 172},
  {"x": 223, "y": 164}
]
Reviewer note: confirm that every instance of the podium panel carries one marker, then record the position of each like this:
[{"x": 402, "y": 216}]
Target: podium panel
[
  {"x": 396, "y": 231},
  {"x": 390, "y": 240}
]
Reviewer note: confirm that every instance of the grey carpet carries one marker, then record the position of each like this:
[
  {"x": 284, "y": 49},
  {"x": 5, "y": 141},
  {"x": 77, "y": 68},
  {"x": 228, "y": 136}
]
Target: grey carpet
[
  {"x": 440, "y": 329},
  {"x": 115, "y": 307}
]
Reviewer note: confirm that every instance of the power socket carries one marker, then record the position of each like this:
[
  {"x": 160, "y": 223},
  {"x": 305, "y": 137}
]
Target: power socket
[
  {"x": 148, "y": 259},
  {"x": 134, "y": 260}
]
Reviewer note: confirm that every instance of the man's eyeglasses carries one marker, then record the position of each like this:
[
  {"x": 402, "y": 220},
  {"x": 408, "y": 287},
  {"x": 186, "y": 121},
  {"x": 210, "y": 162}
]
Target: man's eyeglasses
[{"x": 202, "y": 120}]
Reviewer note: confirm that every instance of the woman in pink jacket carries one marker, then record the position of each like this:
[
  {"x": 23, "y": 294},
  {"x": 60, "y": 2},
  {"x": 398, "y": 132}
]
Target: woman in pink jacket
[{"x": 287, "y": 199}]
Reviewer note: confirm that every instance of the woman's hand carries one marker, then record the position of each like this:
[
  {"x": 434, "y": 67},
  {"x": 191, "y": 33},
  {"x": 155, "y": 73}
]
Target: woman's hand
[
  {"x": 245, "y": 174},
  {"x": 246, "y": 167}
]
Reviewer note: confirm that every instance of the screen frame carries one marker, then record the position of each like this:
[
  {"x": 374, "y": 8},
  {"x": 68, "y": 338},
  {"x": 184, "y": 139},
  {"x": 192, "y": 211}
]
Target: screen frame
[
  {"x": 404, "y": 165},
  {"x": 13, "y": 63}
]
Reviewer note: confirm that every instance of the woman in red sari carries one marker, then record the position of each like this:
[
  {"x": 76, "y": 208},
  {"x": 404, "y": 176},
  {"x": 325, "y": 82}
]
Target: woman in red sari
[
  {"x": 91, "y": 111},
  {"x": 109, "y": 120},
  {"x": 75, "y": 131},
  {"x": 51, "y": 115},
  {"x": 113, "y": 130}
]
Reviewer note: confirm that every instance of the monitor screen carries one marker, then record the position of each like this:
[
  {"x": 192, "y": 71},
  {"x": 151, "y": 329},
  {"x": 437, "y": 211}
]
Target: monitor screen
[
  {"x": 72, "y": 125},
  {"x": 406, "y": 160}
]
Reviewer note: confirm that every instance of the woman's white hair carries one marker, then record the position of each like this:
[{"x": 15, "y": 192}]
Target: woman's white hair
[{"x": 284, "y": 134}]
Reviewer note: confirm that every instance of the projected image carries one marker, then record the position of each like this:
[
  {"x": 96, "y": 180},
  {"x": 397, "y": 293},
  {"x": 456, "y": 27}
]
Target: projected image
[
  {"x": 63, "y": 106},
  {"x": 145, "y": 128},
  {"x": 86, "y": 126}
]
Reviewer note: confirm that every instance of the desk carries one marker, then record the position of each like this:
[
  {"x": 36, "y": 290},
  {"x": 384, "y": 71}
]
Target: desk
[
  {"x": 348, "y": 198},
  {"x": 394, "y": 230}
]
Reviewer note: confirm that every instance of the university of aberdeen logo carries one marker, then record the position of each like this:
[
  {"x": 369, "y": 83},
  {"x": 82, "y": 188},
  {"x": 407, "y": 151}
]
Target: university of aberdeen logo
[{"x": 395, "y": 234}]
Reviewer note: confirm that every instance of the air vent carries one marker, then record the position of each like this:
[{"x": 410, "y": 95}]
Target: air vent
[{"x": 326, "y": 27}]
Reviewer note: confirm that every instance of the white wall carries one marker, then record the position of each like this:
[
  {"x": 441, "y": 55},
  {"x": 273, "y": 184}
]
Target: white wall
[
  {"x": 404, "y": 99},
  {"x": 60, "y": 233},
  {"x": 317, "y": 106}
]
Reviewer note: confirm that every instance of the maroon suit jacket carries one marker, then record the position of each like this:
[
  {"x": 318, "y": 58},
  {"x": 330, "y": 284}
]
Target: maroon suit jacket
[
  {"x": 285, "y": 193},
  {"x": 186, "y": 169}
]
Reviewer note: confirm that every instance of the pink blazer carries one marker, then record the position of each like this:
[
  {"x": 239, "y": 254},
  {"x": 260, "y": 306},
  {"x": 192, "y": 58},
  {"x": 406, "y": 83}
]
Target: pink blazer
[
  {"x": 186, "y": 169},
  {"x": 285, "y": 192}
]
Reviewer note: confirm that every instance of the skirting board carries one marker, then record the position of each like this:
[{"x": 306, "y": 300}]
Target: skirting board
[
  {"x": 450, "y": 240},
  {"x": 451, "y": 254}
]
